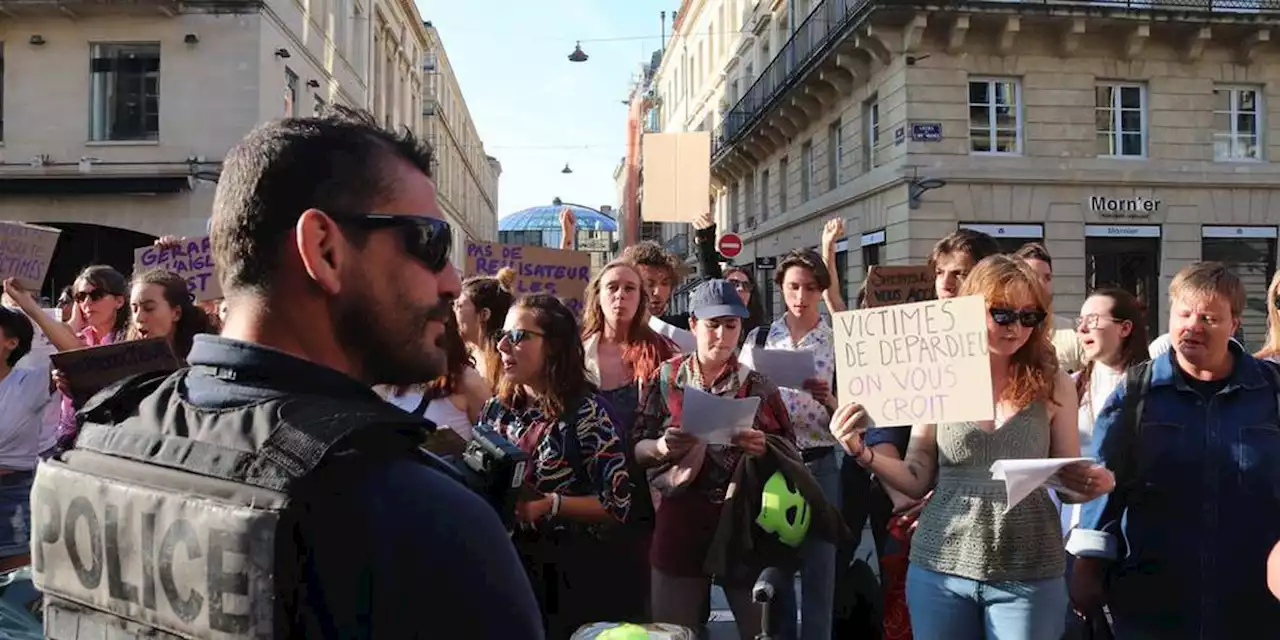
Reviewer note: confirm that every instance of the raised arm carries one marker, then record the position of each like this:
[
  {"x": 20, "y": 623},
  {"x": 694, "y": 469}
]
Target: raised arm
[
  {"x": 833, "y": 231},
  {"x": 59, "y": 333}
]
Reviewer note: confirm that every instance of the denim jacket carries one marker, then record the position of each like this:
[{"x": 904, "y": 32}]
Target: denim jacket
[{"x": 1190, "y": 544}]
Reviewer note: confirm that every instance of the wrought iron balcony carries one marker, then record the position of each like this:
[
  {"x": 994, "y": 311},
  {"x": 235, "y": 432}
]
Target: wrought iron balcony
[
  {"x": 74, "y": 8},
  {"x": 833, "y": 20}
]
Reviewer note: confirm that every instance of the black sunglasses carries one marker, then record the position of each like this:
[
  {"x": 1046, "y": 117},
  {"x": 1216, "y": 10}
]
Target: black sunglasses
[
  {"x": 1028, "y": 319},
  {"x": 514, "y": 336},
  {"x": 427, "y": 239},
  {"x": 95, "y": 295}
]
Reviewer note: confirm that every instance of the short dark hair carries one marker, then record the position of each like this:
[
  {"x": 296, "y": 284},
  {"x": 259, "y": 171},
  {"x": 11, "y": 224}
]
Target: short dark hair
[
  {"x": 805, "y": 259},
  {"x": 976, "y": 244},
  {"x": 1034, "y": 251},
  {"x": 15, "y": 324},
  {"x": 336, "y": 161},
  {"x": 651, "y": 254}
]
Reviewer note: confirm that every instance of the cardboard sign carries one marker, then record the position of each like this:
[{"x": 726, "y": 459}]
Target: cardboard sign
[
  {"x": 677, "y": 176},
  {"x": 192, "y": 259},
  {"x": 564, "y": 274},
  {"x": 92, "y": 369},
  {"x": 25, "y": 253},
  {"x": 888, "y": 285},
  {"x": 919, "y": 363}
]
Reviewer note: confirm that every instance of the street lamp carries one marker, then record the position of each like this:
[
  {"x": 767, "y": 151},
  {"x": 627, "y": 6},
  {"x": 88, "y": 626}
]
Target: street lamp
[
  {"x": 917, "y": 188},
  {"x": 578, "y": 55},
  {"x": 566, "y": 168}
]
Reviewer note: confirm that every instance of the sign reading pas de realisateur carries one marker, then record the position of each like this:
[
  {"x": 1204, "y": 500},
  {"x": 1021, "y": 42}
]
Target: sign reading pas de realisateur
[{"x": 1130, "y": 207}]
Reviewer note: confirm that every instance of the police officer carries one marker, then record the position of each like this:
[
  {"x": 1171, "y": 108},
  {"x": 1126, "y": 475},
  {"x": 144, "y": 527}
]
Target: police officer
[{"x": 266, "y": 491}]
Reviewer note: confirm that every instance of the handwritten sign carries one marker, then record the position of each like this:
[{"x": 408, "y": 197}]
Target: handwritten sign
[
  {"x": 25, "y": 252},
  {"x": 899, "y": 284},
  {"x": 192, "y": 259},
  {"x": 93, "y": 369},
  {"x": 924, "y": 362},
  {"x": 564, "y": 274}
]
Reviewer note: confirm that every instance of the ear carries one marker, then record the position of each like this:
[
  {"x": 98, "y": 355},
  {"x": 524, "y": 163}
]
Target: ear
[
  {"x": 484, "y": 315},
  {"x": 322, "y": 249},
  {"x": 1126, "y": 328}
]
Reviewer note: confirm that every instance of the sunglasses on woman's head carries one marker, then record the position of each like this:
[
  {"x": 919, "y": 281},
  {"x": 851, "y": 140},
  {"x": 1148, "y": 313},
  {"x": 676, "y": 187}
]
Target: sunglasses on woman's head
[
  {"x": 94, "y": 295},
  {"x": 515, "y": 336},
  {"x": 1028, "y": 319},
  {"x": 425, "y": 238}
]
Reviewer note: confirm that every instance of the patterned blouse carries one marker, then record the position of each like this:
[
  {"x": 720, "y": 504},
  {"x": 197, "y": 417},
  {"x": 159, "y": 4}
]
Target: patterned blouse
[
  {"x": 603, "y": 459},
  {"x": 811, "y": 418},
  {"x": 663, "y": 406}
]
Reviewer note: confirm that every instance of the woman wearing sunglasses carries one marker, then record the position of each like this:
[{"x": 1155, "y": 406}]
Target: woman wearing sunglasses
[
  {"x": 578, "y": 489},
  {"x": 1271, "y": 349},
  {"x": 979, "y": 570},
  {"x": 100, "y": 295},
  {"x": 746, "y": 287}
]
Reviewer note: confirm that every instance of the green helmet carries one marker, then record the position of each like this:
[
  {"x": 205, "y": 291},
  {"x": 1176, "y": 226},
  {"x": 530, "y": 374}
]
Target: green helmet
[
  {"x": 624, "y": 632},
  {"x": 783, "y": 511}
]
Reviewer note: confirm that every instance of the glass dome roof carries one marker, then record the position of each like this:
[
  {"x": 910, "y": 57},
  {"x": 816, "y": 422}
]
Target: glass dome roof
[{"x": 548, "y": 219}]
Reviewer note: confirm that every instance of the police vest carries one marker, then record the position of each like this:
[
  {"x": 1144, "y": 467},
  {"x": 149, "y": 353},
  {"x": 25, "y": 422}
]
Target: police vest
[{"x": 161, "y": 521}]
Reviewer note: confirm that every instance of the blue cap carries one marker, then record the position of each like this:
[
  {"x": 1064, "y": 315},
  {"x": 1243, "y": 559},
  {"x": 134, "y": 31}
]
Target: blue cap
[{"x": 716, "y": 299}]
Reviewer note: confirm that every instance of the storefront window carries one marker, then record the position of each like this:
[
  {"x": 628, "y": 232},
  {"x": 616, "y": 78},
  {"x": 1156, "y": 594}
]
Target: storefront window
[{"x": 1251, "y": 253}]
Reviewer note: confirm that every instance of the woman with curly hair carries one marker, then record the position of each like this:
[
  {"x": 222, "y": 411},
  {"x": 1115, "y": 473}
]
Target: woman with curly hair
[{"x": 981, "y": 568}]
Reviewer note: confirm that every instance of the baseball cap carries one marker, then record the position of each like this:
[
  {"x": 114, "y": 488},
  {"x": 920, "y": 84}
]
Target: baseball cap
[{"x": 716, "y": 299}]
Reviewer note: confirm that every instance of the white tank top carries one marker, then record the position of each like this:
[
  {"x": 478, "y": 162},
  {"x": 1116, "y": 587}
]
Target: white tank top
[{"x": 441, "y": 411}]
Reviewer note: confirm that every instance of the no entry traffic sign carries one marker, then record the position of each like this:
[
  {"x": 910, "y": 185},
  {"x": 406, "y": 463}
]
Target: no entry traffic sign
[{"x": 730, "y": 245}]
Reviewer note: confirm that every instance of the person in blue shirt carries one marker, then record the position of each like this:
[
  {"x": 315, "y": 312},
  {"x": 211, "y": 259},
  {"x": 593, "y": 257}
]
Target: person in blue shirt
[
  {"x": 333, "y": 256},
  {"x": 1179, "y": 549}
]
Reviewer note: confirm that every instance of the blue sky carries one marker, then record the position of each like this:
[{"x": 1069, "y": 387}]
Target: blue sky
[{"x": 534, "y": 109}]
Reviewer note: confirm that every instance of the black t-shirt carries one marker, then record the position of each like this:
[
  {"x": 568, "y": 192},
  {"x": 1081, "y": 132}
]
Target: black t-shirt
[{"x": 1206, "y": 388}]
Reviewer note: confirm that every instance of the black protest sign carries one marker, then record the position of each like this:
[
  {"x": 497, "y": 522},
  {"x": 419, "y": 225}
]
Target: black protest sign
[{"x": 92, "y": 369}]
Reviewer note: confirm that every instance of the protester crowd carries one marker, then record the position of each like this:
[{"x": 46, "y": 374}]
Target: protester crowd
[{"x": 625, "y": 516}]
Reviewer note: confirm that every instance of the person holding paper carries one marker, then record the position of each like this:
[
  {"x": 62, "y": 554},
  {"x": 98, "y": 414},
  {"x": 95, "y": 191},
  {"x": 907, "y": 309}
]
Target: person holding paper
[
  {"x": 162, "y": 307},
  {"x": 24, "y": 394},
  {"x": 481, "y": 309},
  {"x": 693, "y": 476},
  {"x": 578, "y": 474},
  {"x": 101, "y": 296},
  {"x": 803, "y": 278},
  {"x": 980, "y": 569}
]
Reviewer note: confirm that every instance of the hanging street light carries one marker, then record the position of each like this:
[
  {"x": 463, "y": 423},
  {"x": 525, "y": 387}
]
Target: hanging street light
[
  {"x": 566, "y": 168},
  {"x": 577, "y": 55}
]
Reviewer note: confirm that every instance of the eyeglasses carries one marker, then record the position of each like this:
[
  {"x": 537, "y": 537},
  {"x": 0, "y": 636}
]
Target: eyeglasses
[
  {"x": 740, "y": 285},
  {"x": 94, "y": 295},
  {"x": 1093, "y": 321},
  {"x": 1028, "y": 319},
  {"x": 425, "y": 238},
  {"x": 1276, "y": 300},
  {"x": 515, "y": 336}
]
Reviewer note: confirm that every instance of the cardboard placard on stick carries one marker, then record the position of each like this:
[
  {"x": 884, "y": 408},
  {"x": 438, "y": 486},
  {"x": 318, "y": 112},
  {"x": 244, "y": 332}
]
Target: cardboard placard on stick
[
  {"x": 93, "y": 369},
  {"x": 25, "y": 253},
  {"x": 898, "y": 284},
  {"x": 564, "y": 274},
  {"x": 677, "y": 176},
  {"x": 192, "y": 259},
  {"x": 918, "y": 363}
]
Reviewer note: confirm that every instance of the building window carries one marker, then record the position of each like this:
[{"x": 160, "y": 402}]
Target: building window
[
  {"x": 290, "y": 91},
  {"x": 764, "y": 195},
  {"x": 1122, "y": 120},
  {"x": 872, "y": 243},
  {"x": 842, "y": 271},
  {"x": 835, "y": 149},
  {"x": 1009, "y": 237},
  {"x": 806, "y": 169},
  {"x": 871, "y": 133},
  {"x": 1251, "y": 253},
  {"x": 783, "y": 172},
  {"x": 735, "y": 207},
  {"x": 124, "y": 92},
  {"x": 995, "y": 116},
  {"x": 1236, "y": 124},
  {"x": 751, "y": 198},
  {"x": 317, "y": 104},
  {"x": 1, "y": 92}
]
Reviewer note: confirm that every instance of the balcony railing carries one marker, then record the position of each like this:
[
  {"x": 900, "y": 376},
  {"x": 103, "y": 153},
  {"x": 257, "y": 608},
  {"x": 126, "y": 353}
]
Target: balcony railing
[{"x": 832, "y": 20}]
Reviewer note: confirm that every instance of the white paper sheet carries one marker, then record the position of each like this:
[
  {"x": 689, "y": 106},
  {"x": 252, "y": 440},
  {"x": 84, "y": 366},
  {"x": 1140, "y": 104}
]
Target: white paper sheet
[
  {"x": 784, "y": 367},
  {"x": 715, "y": 419},
  {"x": 1021, "y": 477},
  {"x": 682, "y": 337}
]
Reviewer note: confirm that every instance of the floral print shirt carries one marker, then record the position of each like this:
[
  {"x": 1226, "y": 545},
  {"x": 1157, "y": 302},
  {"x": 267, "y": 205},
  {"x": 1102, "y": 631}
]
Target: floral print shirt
[
  {"x": 811, "y": 418},
  {"x": 603, "y": 459},
  {"x": 663, "y": 406}
]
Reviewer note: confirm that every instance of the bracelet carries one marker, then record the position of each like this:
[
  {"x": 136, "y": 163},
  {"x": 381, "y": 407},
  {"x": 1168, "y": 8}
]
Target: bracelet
[{"x": 555, "y": 505}]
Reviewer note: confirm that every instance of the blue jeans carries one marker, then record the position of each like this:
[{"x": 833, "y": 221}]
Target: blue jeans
[
  {"x": 15, "y": 513},
  {"x": 817, "y": 567},
  {"x": 946, "y": 607}
]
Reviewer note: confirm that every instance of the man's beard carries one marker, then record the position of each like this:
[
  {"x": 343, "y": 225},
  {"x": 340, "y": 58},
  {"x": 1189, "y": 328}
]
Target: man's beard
[{"x": 390, "y": 345}]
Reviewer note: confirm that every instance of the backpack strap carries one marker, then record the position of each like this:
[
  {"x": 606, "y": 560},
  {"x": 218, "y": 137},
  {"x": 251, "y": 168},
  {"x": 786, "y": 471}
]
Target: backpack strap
[
  {"x": 1137, "y": 382},
  {"x": 762, "y": 336},
  {"x": 421, "y": 410}
]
